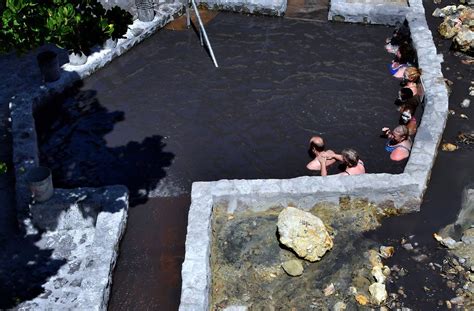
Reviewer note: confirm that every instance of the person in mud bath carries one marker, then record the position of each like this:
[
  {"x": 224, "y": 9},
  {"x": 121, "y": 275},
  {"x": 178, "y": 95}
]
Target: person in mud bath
[
  {"x": 398, "y": 143},
  {"x": 316, "y": 146},
  {"x": 349, "y": 158}
]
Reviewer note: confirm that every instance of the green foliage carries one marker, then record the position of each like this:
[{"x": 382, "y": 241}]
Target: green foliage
[
  {"x": 3, "y": 168},
  {"x": 76, "y": 25},
  {"x": 22, "y": 26},
  {"x": 118, "y": 21}
]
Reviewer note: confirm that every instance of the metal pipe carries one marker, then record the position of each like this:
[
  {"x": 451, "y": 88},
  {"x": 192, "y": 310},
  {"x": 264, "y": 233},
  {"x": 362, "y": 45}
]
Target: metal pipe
[
  {"x": 188, "y": 16},
  {"x": 204, "y": 33}
]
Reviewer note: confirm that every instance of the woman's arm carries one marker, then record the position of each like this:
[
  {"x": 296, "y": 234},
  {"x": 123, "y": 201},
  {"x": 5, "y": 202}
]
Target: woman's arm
[{"x": 322, "y": 160}]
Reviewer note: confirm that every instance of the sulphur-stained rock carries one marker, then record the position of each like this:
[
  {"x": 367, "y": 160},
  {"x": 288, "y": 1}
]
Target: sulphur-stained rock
[
  {"x": 464, "y": 39},
  {"x": 378, "y": 292},
  {"x": 304, "y": 233},
  {"x": 378, "y": 274},
  {"x": 374, "y": 258},
  {"x": 293, "y": 267},
  {"x": 449, "y": 28},
  {"x": 361, "y": 299},
  {"x": 387, "y": 251}
]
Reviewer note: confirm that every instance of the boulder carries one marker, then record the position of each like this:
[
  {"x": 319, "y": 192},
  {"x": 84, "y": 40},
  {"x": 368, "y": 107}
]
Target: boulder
[
  {"x": 378, "y": 292},
  {"x": 464, "y": 39},
  {"x": 293, "y": 267},
  {"x": 304, "y": 233},
  {"x": 449, "y": 27}
]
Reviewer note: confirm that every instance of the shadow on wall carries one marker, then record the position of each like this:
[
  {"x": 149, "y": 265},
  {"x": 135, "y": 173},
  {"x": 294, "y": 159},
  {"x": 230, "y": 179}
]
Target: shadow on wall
[
  {"x": 72, "y": 128},
  {"x": 23, "y": 269}
]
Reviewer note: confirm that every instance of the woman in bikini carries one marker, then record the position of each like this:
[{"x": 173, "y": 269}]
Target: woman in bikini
[
  {"x": 350, "y": 159},
  {"x": 398, "y": 143},
  {"x": 411, "y": 80},
  {"x": 404, "y": 58}
]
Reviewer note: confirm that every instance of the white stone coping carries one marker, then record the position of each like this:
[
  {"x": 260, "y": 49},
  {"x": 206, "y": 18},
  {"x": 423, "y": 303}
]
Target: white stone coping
[
  {"x": 86, "y": 287},
  {"x": 388, "y": 13},
  {"x": 270, "y": 7},
  {"x": 404, "y": 191}
]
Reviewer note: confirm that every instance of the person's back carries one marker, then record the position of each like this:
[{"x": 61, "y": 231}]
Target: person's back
[
  {"x": 316, "y": 146},
  {"x": 354, "y": 165}
]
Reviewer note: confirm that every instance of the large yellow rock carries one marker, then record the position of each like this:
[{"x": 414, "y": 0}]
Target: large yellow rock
[{"x": 304, "y": 233}]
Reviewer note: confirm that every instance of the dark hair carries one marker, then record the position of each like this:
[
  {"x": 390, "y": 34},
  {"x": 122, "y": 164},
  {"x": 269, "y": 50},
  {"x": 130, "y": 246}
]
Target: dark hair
[
  {"x": 401, "y": 34},
  {"x": 407, "y": 54},
  {"x": 318, "y": 147},
  {"x": 406, "y": 93}
]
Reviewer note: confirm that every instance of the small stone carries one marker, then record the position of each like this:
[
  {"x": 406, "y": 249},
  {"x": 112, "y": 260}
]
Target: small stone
[
  {"x": 378, "y": 292},
  {"x": 352, "y": 290},
  {"x": 374, "y": 258},
  {"x": 339, "y": 306},
  {"x": 449, "y": 147},
  {"x": 361, "y": 299},
  {"x": 386, "y": 271},
  {"x": 459, "y": 300},
  {"x": 408, "y": 246},
  {"x": 420, "y": 258},
  {"x": 293, "y": 267},
  {"x": 329, "y": 290},
  {"x": 450, "y": 284},
  {"x": 463, "y": 116},
  {"x": 465, "y": 103},
  {"x": 448, "y": 304},
  {"x": 387, "y": 251}
]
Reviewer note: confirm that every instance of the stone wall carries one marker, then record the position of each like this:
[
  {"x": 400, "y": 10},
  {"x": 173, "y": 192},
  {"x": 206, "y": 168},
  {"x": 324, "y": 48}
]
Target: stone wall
[
  {"x": 270, "y": 7},
  {"x": 404, "y": 191},
  {"x": 387, "y": 12}
]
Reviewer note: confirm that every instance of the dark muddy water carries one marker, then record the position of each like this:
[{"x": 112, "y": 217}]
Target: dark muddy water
[{"x": 162, "y": 116}]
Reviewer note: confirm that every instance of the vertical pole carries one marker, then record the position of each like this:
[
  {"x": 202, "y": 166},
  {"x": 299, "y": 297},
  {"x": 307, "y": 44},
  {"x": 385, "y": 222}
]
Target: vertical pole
[{"x": 188, "y": 16}]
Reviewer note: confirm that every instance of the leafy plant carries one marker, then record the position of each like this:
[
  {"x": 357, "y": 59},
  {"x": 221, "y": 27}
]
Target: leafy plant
[
  {"x": 76, "y": 25},
  {"x": 22, "y": 26},
  {"x": 118, "y": 21},
  {"x": 3, "y": 168}
]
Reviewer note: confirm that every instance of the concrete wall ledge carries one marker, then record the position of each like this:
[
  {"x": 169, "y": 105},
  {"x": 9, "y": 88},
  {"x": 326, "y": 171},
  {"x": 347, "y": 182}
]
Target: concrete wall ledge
[
  {"x": 404, "y": 191},
  {"x": 267, "y": 7},
  {"x": 369, "y": 12}
]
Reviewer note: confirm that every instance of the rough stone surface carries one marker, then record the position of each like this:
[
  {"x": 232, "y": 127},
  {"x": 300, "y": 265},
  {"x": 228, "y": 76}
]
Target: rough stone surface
[
  {"x": 304, "y": 233},
  {"x": 293, "y": 267},
  {"x": 378, "y": 292},
  {"x": 387, "y": 12},
  {"x": 404, "y": 191},
  {"x": 89, "y": 252},
  {"x": 270, "y": 7}
]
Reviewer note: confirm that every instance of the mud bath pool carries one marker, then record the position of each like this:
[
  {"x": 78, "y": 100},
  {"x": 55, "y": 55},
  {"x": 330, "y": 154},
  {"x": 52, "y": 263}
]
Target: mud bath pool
[
  {"x": 161, "y": 117},
  {"x": 246, "y": 259}
]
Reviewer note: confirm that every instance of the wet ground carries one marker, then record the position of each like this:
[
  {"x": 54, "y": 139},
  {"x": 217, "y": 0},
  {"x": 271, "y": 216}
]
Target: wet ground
[{"x": 161, "y": 117}]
